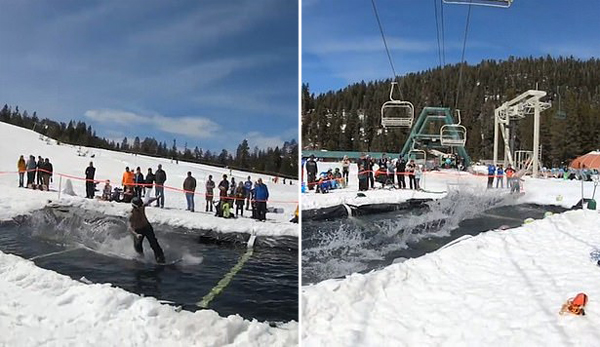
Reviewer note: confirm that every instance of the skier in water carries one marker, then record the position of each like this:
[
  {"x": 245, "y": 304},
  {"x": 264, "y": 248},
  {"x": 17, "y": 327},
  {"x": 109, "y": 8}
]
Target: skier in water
[{"x": 140, "y": 228}]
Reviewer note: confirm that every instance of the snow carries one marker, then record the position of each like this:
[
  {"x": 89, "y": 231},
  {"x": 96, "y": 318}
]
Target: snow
[
  {"x": 436, "y": 184},
  {"x": 498, "y": 288},
  {"x": 40, "y": 307},
  {"x": 111, "y": 165}
]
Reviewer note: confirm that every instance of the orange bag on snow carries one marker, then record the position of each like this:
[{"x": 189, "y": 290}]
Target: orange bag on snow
[{"x": 575, "y": 305}]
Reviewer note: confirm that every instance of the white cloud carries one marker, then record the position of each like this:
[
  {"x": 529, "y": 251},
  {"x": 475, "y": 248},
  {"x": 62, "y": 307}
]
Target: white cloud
[{"x": 198, "y": 127}]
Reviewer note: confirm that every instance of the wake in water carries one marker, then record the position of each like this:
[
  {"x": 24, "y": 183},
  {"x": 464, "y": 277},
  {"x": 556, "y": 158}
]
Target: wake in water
[
  {"x": 338, "y": 248},
  {"x": 106, "y": 235}
]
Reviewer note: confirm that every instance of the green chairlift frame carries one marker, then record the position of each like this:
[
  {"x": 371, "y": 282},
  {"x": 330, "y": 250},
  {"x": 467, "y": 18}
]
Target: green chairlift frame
[{"x": 419, "y": 138}]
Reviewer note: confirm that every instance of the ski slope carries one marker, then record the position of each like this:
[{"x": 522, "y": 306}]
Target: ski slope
[
  {"x": 500, "y": 288},
  {"x": 67, "y": 160}
]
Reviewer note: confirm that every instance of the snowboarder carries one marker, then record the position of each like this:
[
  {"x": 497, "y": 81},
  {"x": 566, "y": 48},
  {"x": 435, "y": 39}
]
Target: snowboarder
[
  {"x": 210, "y": 186},
  {"x": 189, "y": 186},
  {"x": 22, "y": 167},
  {"x": 140, "y": 228},
  {"x": 90, "y": 185},
  {"x": 160, "y": 178}
]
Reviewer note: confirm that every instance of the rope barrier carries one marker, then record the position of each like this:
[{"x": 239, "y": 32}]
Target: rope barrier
[{"x": 148, "y": 185}]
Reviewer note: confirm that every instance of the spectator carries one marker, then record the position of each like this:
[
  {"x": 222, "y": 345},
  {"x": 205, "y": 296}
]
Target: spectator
[
  {"x": 390, "y": 173},
  {"x": 232, "y": 187},
  {"x": 22, "y": 167},
  {"x": 240, "y": 195},
  {"x": 210, "y": 186},
  {"x": 106, "y": 192},
  {"x": 500, "y": 177},
  {"x": 39, "y": 171},
  {"x": 400, "y": 169},
  {"x": 410, "y": 170},
  {"x": 189, "y": 186},
  {"x": 491, "y": 175},
  {"x": 418, "y": 176},
  {"x": 128, "y": 179},
  {"x": 149, "y": 182},
  {"x": 510, "y": 172},
  {"x": 311, "y": 171},
  {"x": 90, "y": 185},
  {"x": 248, "y": 188},
  {"x": 363, "y": 178},
  {"x": 261, "y": 193},
  {"x": 31, "y": 168},
  {"x": 160, "y": 177},
  {"x": 345, "y": 170},
  {"x": 47, "y": 171},
  {"x": 369, "y": 163},
  {"x": 139, "y": 181},
  {"x": 223, "y": 189}
]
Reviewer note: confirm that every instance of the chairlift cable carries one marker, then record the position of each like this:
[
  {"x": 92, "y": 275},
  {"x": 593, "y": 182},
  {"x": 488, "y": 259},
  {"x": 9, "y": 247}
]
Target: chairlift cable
[
  {"x": 441, "y": 53},
  {"x": 462, "y": 59},
  {"x": 387, "y": 50}
]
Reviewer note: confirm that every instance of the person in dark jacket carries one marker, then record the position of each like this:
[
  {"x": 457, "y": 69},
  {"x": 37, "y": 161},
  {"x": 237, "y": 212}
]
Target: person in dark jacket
[
  {"x": 150, "y": 178},
  {"x": 39, "y": 171},
  {"x": 400, "y": 168},
  {"x": 47, "y": 171},
  {"x": 139, "y": 181},
  {"x": 140, "y": 228},
  {"x": 247, "y": 189},
  {"x": 311, "y": 171},
  {"x": 210, "y": 186},
  {"x": 261, "y": 195},
  {"x": 223, "y": 195},
  {"x": 160, "y": 177},
  {"x": 189, "y": 186},
  {"x": 90, "y": 185}
]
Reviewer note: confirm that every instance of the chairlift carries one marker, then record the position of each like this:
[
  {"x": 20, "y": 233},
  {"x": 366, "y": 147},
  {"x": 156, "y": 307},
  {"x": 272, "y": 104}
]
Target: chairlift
[
  {"x": 397, "y": 113},
  {"x": 560, "y": 114},
  {"x": 453, "y": 135},
  {"x": 418, "y": 155},
  {"x": 490, "y": 3}
]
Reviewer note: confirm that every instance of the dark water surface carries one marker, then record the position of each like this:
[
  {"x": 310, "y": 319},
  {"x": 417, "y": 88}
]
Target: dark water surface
[{"x": 100, "y": 249}]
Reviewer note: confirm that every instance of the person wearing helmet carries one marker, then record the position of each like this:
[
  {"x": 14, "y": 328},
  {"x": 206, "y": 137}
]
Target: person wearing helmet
[{"x": 140, "y": 228}]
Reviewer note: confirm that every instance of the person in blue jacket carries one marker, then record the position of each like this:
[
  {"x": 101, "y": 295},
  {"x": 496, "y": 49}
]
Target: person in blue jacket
[
  {"x": 500, "y": 177},
  {"x": 261, "y": 195},
  {"x": 247, "y": 190},
  {"x": 491, "y": 175}
]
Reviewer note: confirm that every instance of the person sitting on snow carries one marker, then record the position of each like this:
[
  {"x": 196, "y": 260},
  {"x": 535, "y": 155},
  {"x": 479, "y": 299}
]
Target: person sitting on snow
[{"x": 106, "y": 192}]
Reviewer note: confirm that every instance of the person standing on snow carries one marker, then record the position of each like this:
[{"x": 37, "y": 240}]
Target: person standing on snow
[
  {"x": 500, "y": 177},
  {"x": 90, "y": 172},
  {"x": 410, "y": 170},
  {"x": 141, "y": 228},
  {"x": 510, "y": 172},
  {"x": 189, "y": 186},
  {"x": 345, "y": 170},
  {"x": 240, "y": 195},
  {"x": 128, "y": 179},
  {"x": 149, "y": 182},
  {"x": 247, "y": 189},
  {"x": 311, "y": 171},
  {"x": 400, "y": 169},
  {"x": 31, "y": 168},
  {"x": 139, "y": 181},
  {"x": 261, "y": 195},
  {"x": 210, "y": 186},
  {"x": 491, "y": 175},
  {"x": 47, "y": 170},
  {"x": 160, "y": 178},
  {"x": 39, "y": 167},
  {"x": 22, "y": 167}
]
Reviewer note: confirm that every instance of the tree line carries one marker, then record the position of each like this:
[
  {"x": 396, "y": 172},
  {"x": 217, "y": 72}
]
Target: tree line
[
  {"x": 281, "y": 161},
  {"x": 349, "y": 119}
]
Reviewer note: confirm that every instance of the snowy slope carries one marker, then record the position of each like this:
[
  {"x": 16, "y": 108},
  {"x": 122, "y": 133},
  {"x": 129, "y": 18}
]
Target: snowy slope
[
  {"x": 437, "y": 183},
  {"x": 501, "y": 288},
  {"x": 40, "y": 307},
  {"x": 111, "y": 165}
]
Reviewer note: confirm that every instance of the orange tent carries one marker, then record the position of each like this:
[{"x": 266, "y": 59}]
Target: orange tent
[{"x": 589, "y": 161}]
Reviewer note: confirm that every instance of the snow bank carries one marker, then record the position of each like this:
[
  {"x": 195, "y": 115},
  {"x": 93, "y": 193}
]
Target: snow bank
[
  {"x": 69, "y": 160},
  {"x": 499, "y": 288},
  {"x": 41, "y": 307},
  {"x": 436, "y": 184}
]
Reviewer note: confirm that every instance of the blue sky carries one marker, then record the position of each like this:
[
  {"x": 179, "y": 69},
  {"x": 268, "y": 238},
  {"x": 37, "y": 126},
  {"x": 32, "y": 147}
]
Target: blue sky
[
  {"x": 341, "y": 43},
  {"x": 208, "y": 73}
]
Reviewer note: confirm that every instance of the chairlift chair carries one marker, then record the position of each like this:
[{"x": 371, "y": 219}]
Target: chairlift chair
[
  {"x": 453, "y": 135},
  {"x": 405, "y": 109},
  {"x": 490, "y": 3}
]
